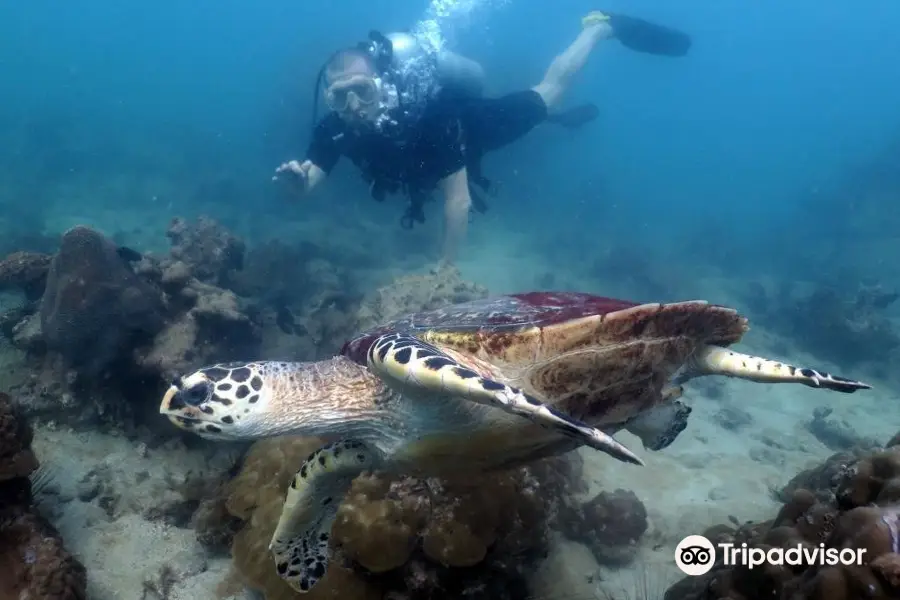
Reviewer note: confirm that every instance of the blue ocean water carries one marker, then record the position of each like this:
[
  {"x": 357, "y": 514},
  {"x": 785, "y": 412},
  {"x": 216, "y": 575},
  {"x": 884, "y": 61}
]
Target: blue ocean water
[{"x": 774, "y": 100}]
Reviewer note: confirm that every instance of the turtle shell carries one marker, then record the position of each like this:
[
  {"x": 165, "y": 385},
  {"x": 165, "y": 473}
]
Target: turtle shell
[
  {"x": 586, "y": 354},
  {"x": 489, "y": 317}
]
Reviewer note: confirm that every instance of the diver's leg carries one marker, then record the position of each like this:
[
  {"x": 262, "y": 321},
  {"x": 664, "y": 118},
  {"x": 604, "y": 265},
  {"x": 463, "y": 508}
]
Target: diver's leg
[
  {"x": 565, "y": 66},
  {"x": 492, "y": 123},
  {"x": 457, "y": 202}
]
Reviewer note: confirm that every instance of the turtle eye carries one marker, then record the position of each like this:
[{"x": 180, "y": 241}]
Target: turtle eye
[{"x": 197, "y": 393}]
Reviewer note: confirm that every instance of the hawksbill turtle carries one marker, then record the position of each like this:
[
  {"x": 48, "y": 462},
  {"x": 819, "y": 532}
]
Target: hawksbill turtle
[{"x": 476, "y": 386}]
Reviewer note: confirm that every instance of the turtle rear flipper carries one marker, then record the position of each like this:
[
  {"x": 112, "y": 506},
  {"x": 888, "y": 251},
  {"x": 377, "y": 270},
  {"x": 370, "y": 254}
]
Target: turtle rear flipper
[
  {"x": 300, "y": 544},
  {"x": 659, "y": 426},
  {"x": 715, "y": 360},
  {"x": 413, "y": 363}
]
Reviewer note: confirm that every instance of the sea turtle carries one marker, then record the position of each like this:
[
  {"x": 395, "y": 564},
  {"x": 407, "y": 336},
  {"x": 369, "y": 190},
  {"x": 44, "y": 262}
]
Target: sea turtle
[{"x": 476, "y": 386}]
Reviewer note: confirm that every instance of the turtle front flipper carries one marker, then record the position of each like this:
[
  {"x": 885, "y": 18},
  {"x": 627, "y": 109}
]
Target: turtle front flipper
[
  {"x": 300, "y": 544},
  {"x": 715, "y": 360},
  {"x": 409, "y": 363}
]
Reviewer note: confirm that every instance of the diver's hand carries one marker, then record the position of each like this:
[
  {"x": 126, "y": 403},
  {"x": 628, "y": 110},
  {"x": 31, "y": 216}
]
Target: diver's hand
[{"x": 295, "y": 174}]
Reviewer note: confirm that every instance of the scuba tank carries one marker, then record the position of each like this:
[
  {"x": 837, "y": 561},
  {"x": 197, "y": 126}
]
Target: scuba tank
[
  {"x": 447, "y": 70},
  {"x": 405, "y": 49}
]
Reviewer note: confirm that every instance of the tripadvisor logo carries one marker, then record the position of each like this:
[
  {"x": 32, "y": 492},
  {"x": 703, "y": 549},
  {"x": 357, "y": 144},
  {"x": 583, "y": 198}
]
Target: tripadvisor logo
[{"x": 696, "y": 555}]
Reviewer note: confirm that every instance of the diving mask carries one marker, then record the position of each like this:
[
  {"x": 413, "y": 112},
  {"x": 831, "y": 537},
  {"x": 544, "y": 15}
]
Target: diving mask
[{"x": 365, "y": 89}]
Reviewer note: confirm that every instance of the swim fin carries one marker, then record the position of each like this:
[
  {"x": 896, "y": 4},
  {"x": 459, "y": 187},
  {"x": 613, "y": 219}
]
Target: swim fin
[
  {"x": 575, "y": 117},
  {"x": 644, "y": 36}
]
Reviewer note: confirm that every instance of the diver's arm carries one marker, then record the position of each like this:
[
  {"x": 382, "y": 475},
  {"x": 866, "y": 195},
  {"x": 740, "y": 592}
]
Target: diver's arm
[
  {"x": 456, "y": 213},
  {"x": 460, "y": 73},
  {"x": 314, "y": 175}
]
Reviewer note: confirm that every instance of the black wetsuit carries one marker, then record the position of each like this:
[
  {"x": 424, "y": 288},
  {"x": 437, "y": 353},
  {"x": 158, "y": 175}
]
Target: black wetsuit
[{"x": 451, "y": 133}]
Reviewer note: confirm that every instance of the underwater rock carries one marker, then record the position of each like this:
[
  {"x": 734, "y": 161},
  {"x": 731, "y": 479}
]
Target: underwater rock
[
  {"x": 95, "y": 307},
  {"x": 158, "y": 585},
  {"x": 25, "y": 271},
  {"x": 16, "y": 457},
  {"x": 211, "y": 326},
  {"x": 822, "y": 480},
  {"x": 836, "y": 435},
  {"x": 413, "y": 293},
  {"x": 276, "y": 271},
  {"x": 210, "y": 250},
  {"x": 214, "y": 525},
  {"x": 894, "y": 441},
  {"x": 732, "y": 418},
  {"x": 12, "y": 318},
  {"x": 611, "y": 525},
  {"x": 305, "y": 300},
  {"x": 26, "y": 334},
  {"x": 33, "y": 560}
]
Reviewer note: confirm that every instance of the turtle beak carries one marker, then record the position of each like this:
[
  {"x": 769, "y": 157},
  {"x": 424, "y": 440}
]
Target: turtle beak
[
  {"x": 176, "y": 409},
  {"x": 172, "y": 401}
]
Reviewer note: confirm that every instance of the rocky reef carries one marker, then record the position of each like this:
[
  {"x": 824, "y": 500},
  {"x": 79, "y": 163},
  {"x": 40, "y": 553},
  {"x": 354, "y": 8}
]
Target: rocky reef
[
  {"x": 851, "y": 502},
  {"x": 103, "y": 326},
  {"x": 34, "y": 562}
]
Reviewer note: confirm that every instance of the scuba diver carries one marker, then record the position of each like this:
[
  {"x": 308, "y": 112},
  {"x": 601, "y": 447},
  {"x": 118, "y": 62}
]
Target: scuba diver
[{"x": 414, "y": 121}]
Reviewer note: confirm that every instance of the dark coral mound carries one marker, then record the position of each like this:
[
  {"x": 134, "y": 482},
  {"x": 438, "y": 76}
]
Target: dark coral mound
[
  {"x": 850, "y": 502},
  {"x": 611, "y": 525},
  {"x": 33, "y": 560},
  {"x": 94, "y": 306}
]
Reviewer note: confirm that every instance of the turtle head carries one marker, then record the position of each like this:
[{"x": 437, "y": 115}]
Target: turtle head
[
  {"x": 249, "y": 401},
  {"x": 222, "y": 402}
]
